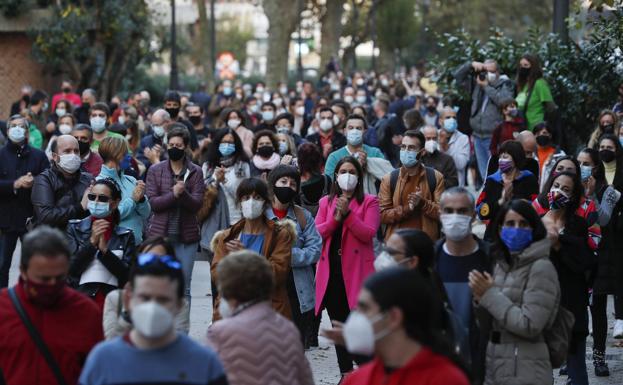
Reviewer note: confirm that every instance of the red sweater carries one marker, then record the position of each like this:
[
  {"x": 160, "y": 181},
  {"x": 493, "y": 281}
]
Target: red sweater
[
  {"x": 70, "y": 329},
  {"x": 505, "y": 131},
  {"x": 425, "y": 368},
  {"x": 93, "y": 165}
]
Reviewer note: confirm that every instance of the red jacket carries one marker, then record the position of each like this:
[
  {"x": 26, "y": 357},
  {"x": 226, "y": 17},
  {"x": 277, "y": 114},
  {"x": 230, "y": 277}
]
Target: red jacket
[
  {"x": 70, "y": 330},
  {"x": 426, "y": 368},
  {"x": 505, "y": 131},
  {"x": 93, "y": 165}
]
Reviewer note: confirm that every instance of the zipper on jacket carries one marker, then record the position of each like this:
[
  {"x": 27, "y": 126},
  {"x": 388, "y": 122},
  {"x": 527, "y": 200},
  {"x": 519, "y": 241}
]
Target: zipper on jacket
[{"x": 516, "y": 351}]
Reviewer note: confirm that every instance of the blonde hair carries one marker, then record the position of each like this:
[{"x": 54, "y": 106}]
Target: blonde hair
[
  {"x": 113, "y": 148},
  {"x": 597, "y": 132}
]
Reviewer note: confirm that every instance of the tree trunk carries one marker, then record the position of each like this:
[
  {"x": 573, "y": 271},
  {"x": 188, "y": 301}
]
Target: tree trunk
[
  {"x": 204, "y": 45},
  {"x": 282, "y": 17},
  {"x": 385, "y": 60},
  {"x": 331, "y": 31}
]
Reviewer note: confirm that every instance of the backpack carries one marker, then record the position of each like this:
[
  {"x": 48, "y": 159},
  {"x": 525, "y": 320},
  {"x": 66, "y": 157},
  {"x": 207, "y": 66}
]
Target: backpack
[
  {"x": 430, "y": 177},
  {"x": 557, "y": 335}
]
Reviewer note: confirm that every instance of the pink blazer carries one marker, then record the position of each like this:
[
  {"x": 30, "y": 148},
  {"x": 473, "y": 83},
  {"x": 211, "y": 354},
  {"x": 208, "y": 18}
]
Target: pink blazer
[{"x": 358, "y": 230}]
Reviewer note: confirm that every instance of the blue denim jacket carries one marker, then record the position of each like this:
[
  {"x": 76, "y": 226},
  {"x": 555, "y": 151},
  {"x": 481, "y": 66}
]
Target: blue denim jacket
[{"x": 305, "y": 253}]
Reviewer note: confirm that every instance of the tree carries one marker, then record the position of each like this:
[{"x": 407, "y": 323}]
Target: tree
[
  {"x": 395, "y": 30},
  {"x": 95, "y": 45},
  {"x": 204, "y": 45},
  {"x": 282, "y": 18},
  {"x": 358, "y": 28},
  {"x": 331, "y": 30}
]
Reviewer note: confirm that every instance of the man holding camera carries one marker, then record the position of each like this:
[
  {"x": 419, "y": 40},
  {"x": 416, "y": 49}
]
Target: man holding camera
[{"x": 488, "y": 90}]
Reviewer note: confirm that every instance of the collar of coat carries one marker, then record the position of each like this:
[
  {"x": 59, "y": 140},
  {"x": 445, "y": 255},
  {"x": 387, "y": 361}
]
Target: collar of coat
[
  {"x": 84, "y": 226},
  {"x": 497, "y": 176},
  {"x": 273, "y": 228},
  {"x": 537, "y": 250}
]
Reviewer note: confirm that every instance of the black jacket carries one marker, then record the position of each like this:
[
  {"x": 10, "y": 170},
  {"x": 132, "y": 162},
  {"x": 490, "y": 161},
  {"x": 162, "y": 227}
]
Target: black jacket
[
  {"x": 443, "y": 163},
  {"x": 83, "y": 252},
  {"x": 337, "y": 140},
  {"x": 56, "y": 199},
  {"x": 15, "y": 162}
]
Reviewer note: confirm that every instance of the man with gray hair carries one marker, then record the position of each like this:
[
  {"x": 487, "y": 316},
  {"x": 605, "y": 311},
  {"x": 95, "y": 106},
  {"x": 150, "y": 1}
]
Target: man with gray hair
[
  {"x": 453, "y": 142},
  {"x": 488, "y": 90},
  {"x": 89, "y": 98},
  {"x": 456, "y": 255},
  {"x": 151, "y": 150}
]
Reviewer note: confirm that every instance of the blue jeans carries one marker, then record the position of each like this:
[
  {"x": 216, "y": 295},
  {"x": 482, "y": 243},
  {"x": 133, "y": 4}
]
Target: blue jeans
[
  {"x": 186, "y": 253},
  {"x": 482, "y": 152},
  {"x": 8, "y": 241},
  {"x": 576, "y": 363}
]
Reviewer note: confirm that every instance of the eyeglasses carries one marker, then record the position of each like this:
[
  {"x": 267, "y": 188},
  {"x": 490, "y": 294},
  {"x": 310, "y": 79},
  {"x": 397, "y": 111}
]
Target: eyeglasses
[
  {"x": 167, "y": 260},
  {"x": 99, "y": 198}
]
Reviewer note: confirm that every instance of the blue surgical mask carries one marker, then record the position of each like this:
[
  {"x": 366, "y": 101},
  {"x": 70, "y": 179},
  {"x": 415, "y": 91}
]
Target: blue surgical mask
[
  {"x": 586, "y": 172},
  {"x": 226, "y": 149},
  {"x": 226, "y": 91},
  {"x": 621, "y": 140},
  {"x": 98, "y": 209},
  {"x": 450, "y": 125},
  {"x": 354, "y": 137},
  {"x": 516, "y": 239},
  {"x": 408, "y": 158},
  {"x": 126, "y": 162},
  {"x": 283, "y": 148}
]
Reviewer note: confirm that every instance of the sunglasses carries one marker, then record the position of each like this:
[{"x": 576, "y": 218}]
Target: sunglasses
[
  {"x": 99, "y": 198},
  {"x": 167, "y": 260}
]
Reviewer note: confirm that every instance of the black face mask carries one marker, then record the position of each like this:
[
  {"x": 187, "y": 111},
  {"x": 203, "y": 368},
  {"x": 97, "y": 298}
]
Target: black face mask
[
  {"x": 113, "y": 106},
  {"x": 431, "y": 108},
  {"x": 543, "y": 140},
  {"x": 85, "y": 105},
  {"x": 608, "y": 128},
  {"x": 195, "y": 120},
  {"x": 284, "y": 194},
  {"x": 523, "y": 72},
  {"x": 84, "y": 148},
  {"x": 175, "y": 153},
  {"x": 173, "y": 112},
  {"x": 606, "y": 156},
  {"x": 265, "y": 151},
  {"x": 66, "y": 90},
  {"x": 26, "y": 99}
]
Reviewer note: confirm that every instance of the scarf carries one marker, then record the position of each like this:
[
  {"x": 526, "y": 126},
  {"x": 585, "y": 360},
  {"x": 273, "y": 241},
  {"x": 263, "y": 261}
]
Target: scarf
[{"x": 268, "y": 164}]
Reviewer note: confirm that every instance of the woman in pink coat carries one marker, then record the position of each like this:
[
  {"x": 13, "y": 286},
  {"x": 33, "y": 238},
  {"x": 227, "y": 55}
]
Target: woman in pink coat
[{"x": 347, "y": 221}]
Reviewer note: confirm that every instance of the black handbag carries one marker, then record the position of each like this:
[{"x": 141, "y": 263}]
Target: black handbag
[{"x": 36, "y": 337}]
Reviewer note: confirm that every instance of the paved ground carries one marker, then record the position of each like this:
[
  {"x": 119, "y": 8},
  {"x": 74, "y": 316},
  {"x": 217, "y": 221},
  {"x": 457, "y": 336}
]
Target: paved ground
[{"x": 323, "y": 359}]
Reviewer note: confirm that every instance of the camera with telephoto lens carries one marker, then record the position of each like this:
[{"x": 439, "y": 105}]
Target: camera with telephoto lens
[{"x": 482, "y": 75}]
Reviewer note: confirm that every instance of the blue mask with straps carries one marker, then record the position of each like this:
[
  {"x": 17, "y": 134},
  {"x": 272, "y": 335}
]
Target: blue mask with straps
[
  {"x": 586, "y": 172},
  {"x": 450, "y": 125},
  {"x": 516, "y": 239},
  {"x": 126, "y": 162},
  {"x": 226, "y": 149},
  {"x": 408, "y": 158},
  {"x": 98, "y": 209}
]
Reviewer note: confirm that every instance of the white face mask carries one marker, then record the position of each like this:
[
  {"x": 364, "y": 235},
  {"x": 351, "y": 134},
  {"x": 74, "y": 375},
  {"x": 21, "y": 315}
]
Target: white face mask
[
  {"x": 64, "y": 129},
  {"x": 252, "y": 208},
  {"x": 359, "y": 334},
  {"x": 98, "y": 124},
  {"x": 347, "y": 182},
  {"x": 491, "y": 77},
  {"x": 60, "y": 112},
  {"x": 278, "y": 102},
  {"x": 349, "y": 99},
  {"x": 268, "y": 115},
  {"x": 224, "y": 309},
  {"x": 456, "y": 226},
  {"x": 233, "y": 123},
  {"x": 151, "y": 319},
  {"x": 326, "y": 125},
  {"x": 299, "y": 110},
  {"x": 158, "y": 131},
  {"x": 121, "y": 119},
  {"x": 361, "y": 99},
  {"x": 384, "y": 261},
  {"x": 336, "y": 120},
  {"x": 431, "y": 146},
  {"x": 69, "y": 163}
]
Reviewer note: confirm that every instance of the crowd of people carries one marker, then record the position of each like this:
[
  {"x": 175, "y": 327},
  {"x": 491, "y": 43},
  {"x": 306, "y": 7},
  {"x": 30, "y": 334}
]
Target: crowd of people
[{"x": 358, "y": 195}]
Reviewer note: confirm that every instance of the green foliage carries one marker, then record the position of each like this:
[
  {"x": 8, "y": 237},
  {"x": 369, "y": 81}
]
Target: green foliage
[
  {"x": 583, "y": 77},
  {"x": 395, "y": 27},
  {"x": 232, "y": 36},
  {"x": 14, "y": 8},
  {"x": 95, "y": 45}
]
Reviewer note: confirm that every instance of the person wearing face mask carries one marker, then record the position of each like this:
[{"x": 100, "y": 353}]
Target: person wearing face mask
[
  {"x": 89, "y": 98},
  {"x": 608, "y": 123},
  {"x": 173, "y": 105},
  {"x": 98, "y": 120},
  {"x": 64, "y": 127},
  {"x": 287, "y": 150},
  {"x": 268, "y": 113},
  {"x": 508, "y": 183},
  {"x": 347, "y": 220},
  {"x": 548, "y": 152},
  {"x": 37, "y": 111},
  {"x": 235, "y": 120},
  {"x": 66, "y": 94},
  {"x": 529, "y": 145},
  {"x": 116, "y": 319},
  {"x": 50, "y": 307},
  {"x": 266, "y": 150},
  {"x": 151, "y": 150},
  {"x": 509, "y": 128},
  {"x": 175, "y": 191},
  {"x": 489, "y": 89},
  {"x": 134, "y": 207},
  {"x": 101, "y": 249},
  {"x": 409, "y": 196},
  {"x": 153, "y": 351},
  {"x": 524, "y": 286},
  {"x": 60, "y": 192},
  {"x": 284, "y": 182},
  {"x": 429, "y": 112},
  {"x": 327, "y": 138},
  {"x": 63, "y": 108},
  {"x": 255, "y": 232},
  {"x": 301, "y": 120},
  {"x": 24, "y": 100},
  {"x": 395, "y": 320},
  {"x": 573, "y": 255},
  {"x": 284, "y": 124},
  {"x": 19, "y": 165},
  {"x": 91, "y": 162},
  {"x": 434, "y": 158},
  {"x": 534, "y": 97},
  {"x": 245, "y": 281},
  {"x": 454, "y": 143},
  {"x": 196, "y": 117}
]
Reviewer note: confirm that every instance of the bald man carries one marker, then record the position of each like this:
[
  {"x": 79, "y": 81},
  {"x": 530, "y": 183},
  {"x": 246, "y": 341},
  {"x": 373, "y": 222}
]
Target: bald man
[
  {"x": 59, "y": 194},
  {"x": 528, "y": 142}
]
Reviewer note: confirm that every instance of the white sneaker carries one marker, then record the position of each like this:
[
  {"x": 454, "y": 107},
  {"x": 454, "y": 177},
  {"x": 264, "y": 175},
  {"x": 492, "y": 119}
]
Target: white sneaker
[{"x": 618, "y": 329}]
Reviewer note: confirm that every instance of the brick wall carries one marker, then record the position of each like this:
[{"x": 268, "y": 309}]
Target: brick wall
[{"x": 17, "y": 68}]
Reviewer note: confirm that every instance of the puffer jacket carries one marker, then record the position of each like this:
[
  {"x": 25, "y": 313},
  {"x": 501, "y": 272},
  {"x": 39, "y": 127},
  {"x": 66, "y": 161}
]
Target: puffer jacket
[
  {"x": 274, "y": 356},
  {"x": 522, "y": 303},
  {"x": 56, "y": 199},
  {"x": 85, "y": 256}
]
